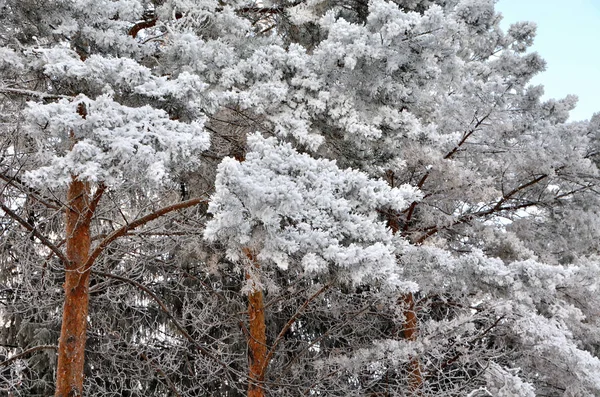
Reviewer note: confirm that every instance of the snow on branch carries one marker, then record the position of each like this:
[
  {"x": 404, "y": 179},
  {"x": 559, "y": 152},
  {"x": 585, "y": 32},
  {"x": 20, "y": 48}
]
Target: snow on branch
[
  {"x": 297, "y": 208},
  {"x": 112, "y": 144}
]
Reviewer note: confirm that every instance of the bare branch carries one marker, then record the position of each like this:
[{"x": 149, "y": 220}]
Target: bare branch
[
  {"x": 168, "y": 313},
  {"x": 291, "y": 322},
  {"x": 466, "y": 136},
  {"x": 163, "y": 374},
  {"x": 43, "y": 239},
  {"x": 135, "y": 224},
  {"x": 497, "y": 208},
  {"x": 36, "y": 195},
  {"x": 35, "y": 94},
  {"x": 95, "y": 200},
  {"x": 145, "y": 24},
  {"x": 27, "y": 352},
  {"x": 448, "y": 156}
]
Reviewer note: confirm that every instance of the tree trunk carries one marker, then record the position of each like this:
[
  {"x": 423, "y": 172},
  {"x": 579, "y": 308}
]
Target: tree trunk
[
  {"x": 415, "y": 377},
  {"x": 410, "y": 325},
  {"x": 257, "y": 339},
  {"x": 71, "y": 346}
]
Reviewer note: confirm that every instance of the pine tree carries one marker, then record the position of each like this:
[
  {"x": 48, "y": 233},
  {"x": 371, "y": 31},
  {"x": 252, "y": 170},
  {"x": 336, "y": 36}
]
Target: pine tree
[{"x": 328, "y": 197}]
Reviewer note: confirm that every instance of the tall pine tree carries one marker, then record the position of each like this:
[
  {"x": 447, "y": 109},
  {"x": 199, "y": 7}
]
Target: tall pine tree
[{"x": 326, "y": 197}]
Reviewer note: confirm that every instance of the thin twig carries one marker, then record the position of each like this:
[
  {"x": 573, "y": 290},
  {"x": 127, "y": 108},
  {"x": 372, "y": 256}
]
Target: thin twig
[
  {"x": 162, "y": 373},
  {"x": 291, "y": 322}
]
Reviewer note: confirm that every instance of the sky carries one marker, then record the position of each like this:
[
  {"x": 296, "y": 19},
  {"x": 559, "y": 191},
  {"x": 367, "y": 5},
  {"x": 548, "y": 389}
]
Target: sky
[{"x": 568, "y": 38}]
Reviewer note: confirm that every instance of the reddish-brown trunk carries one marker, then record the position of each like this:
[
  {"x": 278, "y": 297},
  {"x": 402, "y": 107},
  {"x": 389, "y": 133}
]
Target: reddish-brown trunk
[
  {"x": 415, "y": 378},
  {"x": 411, "y": 324},
  {"x": 257, "y": 339},
  {"x": 71, "y": 345}
]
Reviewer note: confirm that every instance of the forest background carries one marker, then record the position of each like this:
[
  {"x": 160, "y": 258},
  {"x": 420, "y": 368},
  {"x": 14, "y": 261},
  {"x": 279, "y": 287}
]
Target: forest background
[{"x": 337, "y": 198}]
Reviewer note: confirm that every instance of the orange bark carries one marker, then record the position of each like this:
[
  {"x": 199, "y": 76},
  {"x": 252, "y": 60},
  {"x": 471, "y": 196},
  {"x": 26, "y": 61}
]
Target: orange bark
[
  {"x": 71, "y": 346},
  {"x": 411, "y": 327},
  {"x": 411, "y": 322},
  {"x": 257, "y": 339}
]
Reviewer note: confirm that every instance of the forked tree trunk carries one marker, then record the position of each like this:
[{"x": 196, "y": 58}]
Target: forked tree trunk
[
  {"x": 257, "y": 338},
  {"x": 78, "y": 265},
  {"x": 71, "y": 345}
]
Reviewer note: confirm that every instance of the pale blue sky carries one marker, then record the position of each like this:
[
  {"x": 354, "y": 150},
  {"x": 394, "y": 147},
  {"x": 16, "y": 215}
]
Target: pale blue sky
[{"x": 568, "y": 38}]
